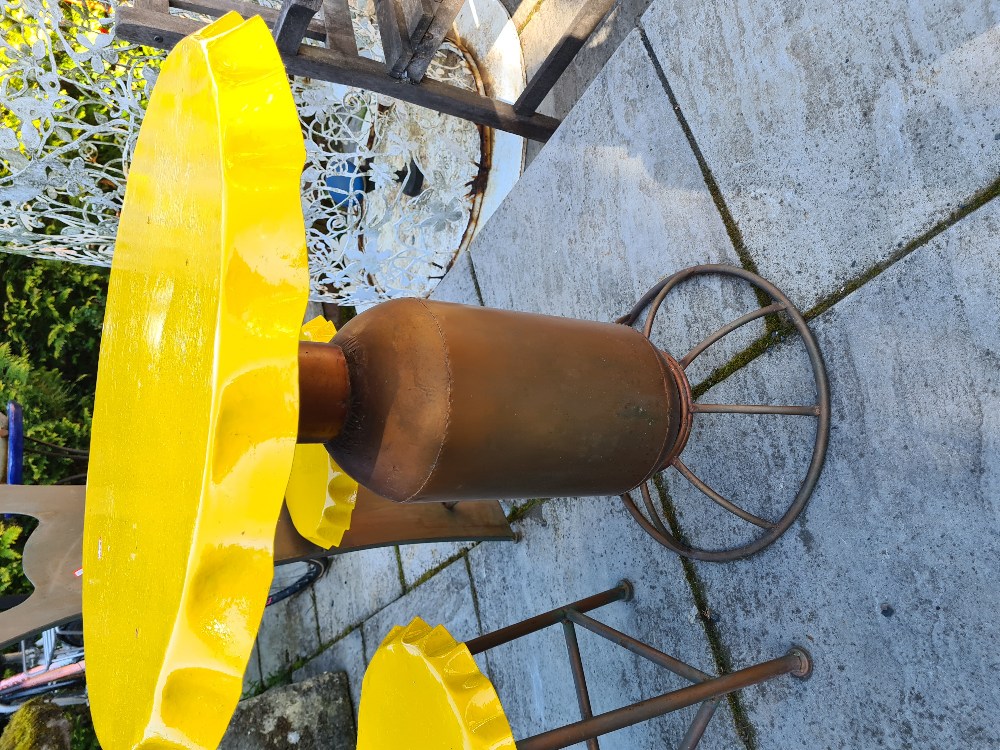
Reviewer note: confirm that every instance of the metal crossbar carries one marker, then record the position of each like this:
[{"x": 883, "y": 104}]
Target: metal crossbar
[{"x": 705, "y": 689}]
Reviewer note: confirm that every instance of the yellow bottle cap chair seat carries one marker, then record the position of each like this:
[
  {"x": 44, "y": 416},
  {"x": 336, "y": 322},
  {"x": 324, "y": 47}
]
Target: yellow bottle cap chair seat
[{"x": 424, "y": 691}]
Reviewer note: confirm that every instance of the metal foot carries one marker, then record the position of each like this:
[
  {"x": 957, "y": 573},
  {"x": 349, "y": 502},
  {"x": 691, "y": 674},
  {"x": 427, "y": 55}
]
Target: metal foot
[
  {"x": 651, "y": 521},
  {"x": 805, "y": 658}
]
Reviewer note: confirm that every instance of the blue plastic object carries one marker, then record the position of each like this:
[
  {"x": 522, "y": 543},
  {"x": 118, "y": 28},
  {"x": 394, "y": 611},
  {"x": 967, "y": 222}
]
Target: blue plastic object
[
  {"x": 346, "y": 186},
  {"x": 15, "y": 443}
]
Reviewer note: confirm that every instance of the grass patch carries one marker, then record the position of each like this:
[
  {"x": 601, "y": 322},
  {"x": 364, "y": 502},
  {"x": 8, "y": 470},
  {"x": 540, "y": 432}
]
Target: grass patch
[{"x": 518, "y": 512}]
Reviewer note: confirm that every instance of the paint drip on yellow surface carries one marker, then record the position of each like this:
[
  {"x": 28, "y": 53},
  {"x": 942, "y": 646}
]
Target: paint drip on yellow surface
[
  {"x": 424, "y": 691},
  {"x": 197, "y": 399},
  {"x": 320, "y": 496}
]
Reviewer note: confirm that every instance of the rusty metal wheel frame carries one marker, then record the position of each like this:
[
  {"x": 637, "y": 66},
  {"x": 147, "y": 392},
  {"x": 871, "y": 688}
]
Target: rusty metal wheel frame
[{"x": 654, "y": 525}]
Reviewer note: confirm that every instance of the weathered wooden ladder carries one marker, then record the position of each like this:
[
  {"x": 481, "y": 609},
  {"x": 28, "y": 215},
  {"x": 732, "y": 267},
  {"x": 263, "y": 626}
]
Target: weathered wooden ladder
[{"x": 412, "y": 31}]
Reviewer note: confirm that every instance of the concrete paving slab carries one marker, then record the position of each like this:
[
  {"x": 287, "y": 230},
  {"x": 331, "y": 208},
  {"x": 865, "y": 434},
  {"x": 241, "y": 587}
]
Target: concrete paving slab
[
  {"x": 458, "y": 285},
  {"x": 604, "y": 213},
  {"x": 890, "y": 578},
  {"x": 357, "y": 586},
  {"x": 571, "y": 549},
  {"x": 446, "y": 599},
  {"x": 420, "y": 559},
  {"x": 288, "y": 631},
  {"x": 837, "y": 132},
  {"x": 346, "y": 655}
]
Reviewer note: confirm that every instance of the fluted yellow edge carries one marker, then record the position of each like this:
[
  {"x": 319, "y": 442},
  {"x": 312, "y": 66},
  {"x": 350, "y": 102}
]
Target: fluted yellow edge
[
  {"x": 424, "y": 691},
  {"x": 320, "y": 496},
  {"x": 197, "y": 398}
]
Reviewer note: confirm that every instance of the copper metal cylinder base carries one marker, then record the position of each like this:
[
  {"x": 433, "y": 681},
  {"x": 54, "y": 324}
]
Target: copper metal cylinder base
[{"x": 451, "y": 402}]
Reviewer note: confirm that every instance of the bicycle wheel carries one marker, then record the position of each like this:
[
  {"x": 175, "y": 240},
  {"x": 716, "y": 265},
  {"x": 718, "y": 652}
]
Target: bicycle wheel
[
  {"x": 71, "y": 633},
  {"x": 65, "y": 680},
  {"x": 63, "y": 692},
  {"x": 292, "y": 578}
]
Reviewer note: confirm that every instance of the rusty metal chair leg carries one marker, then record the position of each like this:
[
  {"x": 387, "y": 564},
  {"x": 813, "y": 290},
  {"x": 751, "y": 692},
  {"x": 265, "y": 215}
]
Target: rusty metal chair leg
[{"x": 705, "y": 689}]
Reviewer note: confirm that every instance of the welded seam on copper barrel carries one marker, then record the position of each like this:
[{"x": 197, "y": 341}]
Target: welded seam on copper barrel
[
  {"x": 451, "y": 396},
  {"x": 666, "y": 447},
  {"x": 686, "y": 409}
]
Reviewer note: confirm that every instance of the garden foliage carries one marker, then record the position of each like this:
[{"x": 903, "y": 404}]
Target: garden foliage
[{"x": 51, "y": 314}]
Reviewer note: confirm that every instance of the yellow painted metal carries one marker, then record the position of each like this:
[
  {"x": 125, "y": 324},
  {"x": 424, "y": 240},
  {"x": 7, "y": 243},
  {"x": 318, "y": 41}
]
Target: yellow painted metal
[
  {"x": 320, "y": 496},
  {"x": 197, "y": 396},
  {"x": 319, "y": 329},
  {"x": 424, "y": 691}
]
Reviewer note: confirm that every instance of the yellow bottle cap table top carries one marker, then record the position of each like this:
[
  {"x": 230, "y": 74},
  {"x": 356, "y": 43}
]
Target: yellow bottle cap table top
[
  {"x": 197, "y": 398},
  {"x": 424, "y": 691}
]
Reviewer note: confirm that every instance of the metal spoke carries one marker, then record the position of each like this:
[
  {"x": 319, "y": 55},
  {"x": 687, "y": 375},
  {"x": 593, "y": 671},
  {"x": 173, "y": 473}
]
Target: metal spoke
[
  {"x": 795, "y": 411},
  {"x": 690, "y": 357},
  {"x": 715, "y": 496}
]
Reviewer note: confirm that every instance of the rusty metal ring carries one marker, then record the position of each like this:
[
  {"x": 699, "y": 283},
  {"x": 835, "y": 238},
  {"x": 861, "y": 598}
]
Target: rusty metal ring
[{"x": 655, "y": 527}]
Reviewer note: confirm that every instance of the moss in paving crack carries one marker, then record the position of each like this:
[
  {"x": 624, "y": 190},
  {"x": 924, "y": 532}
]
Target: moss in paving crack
[
  {"x": 337, "y": 638},
  {"x": 315, "y": 605},
  {"x": 720, "y": 653},
  {"x": 399, "y": 568},
  {"x": 475, "y": 594},
  {"x": 741, "y": 360},
  {"x": 518, "y": 512},
  {"x": 475, "y": 282},
  {"x": 978, "y": 200},
  {"x": 298, "y": 664},
  {"x": 284, "y": 677},
  {"x": 436, "y": 569},
  {"x": 531, "y": 15},
  {"x": 728, "y": 220}
]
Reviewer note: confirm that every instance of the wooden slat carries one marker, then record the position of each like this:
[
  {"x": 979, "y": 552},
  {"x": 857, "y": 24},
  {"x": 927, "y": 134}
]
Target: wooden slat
[
  {"x": 363, "y": 73},
  {"x": 423, "y": 53},
  {"x": 217, "y": 8},
  {"x": 395, "y": 36},
  {"x": 378, "y": 522},
  {"x": 339, "y": 28},
  {"x": 55, "y": 550},
  {"x": 418, "y": 15},
  {"x": 562, "y": 54},
  {"x": 52, "y": 555},
  {"x": 162, "y": 6},
  {"x": 293, "y": 21},
  {"x": 163, "y": 31}
]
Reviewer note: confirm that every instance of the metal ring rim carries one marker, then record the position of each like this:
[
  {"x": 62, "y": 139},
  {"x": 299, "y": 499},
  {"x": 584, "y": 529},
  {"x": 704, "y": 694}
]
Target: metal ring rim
[{"x": 820, "y": 444}]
